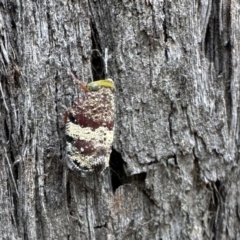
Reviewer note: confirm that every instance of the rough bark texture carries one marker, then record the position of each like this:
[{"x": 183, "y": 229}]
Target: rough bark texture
[{"x": 174, "y": 170}]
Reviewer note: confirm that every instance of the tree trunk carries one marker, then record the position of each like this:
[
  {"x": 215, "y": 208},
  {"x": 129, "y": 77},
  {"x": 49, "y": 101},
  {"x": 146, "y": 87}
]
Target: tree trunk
[{"x": 174, "y": 170}]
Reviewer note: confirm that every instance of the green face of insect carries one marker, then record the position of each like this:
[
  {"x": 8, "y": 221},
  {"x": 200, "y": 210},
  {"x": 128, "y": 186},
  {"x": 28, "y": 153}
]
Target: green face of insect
[
  {"x": 96, "y": 85},
  {"x": 93, "y": 87}
]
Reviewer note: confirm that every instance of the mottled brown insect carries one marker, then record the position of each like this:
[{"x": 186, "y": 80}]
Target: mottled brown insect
[{"x": 90, "y": 127}]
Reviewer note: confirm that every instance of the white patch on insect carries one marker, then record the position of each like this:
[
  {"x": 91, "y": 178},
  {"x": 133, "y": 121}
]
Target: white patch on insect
[{"x": 98, "y": 135}]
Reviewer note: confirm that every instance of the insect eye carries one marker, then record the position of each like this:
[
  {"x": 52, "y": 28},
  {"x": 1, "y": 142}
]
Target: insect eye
[{"x": 95, "y": 87}]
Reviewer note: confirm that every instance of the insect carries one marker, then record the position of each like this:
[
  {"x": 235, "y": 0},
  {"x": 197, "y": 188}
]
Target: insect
[{"x": 90, "y": 127}]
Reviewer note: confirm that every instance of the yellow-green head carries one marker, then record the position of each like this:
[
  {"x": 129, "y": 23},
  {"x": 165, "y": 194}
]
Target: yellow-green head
[{"x": 96, "y": 85}]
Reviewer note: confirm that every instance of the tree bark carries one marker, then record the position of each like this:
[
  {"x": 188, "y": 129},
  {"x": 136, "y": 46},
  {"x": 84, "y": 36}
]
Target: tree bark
[{"x": 174, "y": 170}]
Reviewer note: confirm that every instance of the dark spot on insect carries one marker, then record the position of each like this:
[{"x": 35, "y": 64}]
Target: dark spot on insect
[
  {"x": 69, "y": 139},
  {"x": 71, "y": 118},
  {"x": 86, "y": 147},
  {"x": 110, "y": 125},
  {"x": 84, "y": 168},
  {"x": 76, "y": 163}
]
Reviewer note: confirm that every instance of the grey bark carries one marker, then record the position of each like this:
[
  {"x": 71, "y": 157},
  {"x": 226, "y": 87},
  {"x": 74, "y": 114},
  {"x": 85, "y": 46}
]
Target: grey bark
[{"x": 174, "y": 170}]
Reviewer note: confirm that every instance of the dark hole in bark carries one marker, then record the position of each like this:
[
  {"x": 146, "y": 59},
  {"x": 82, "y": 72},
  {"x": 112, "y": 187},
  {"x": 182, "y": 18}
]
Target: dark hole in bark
[
  {"x": 138, "y": 179},
  {"x": 118, "y": 175},
  {"x": 101, "y": 226},
  {"x": 69, "y": 197},
  {"x": 98, "y": 68},
  {"x": 6, "y": 130},
  {"x": 215, "y": 204}
]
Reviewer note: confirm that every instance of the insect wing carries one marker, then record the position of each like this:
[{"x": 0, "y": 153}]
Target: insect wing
[{"x": 89, "y": 131}]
